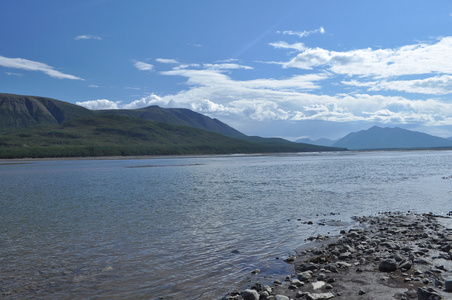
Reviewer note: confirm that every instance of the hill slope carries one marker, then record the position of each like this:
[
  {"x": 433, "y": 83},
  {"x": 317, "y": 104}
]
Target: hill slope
[
  {"x": 116, "y": 135},
  {"x": 319, "y": 142},
  {"x": 390, "y": 138},
  {"x": 177, "y": 116},
  {"x": 18, "y": 111}
]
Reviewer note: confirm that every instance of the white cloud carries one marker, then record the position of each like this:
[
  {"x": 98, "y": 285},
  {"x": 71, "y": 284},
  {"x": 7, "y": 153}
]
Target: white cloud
[
  {"x": 142, "y": 66},
  {"x": 166, "y": 60},
  {"x": 29, "y": 65},
  {"x": 302, "y": 34},
  {"x": 14, "y": 74},
  {"x": 99, "y": 104},
  {"x": 226, "y": 66},
  {"x": 436, "y": 85},
  {"x": 88, "y": 37},
  {"x": 146, "y": 101},
  {"x": 381, "y": 63},
  {"x": 285, "y": 45}
]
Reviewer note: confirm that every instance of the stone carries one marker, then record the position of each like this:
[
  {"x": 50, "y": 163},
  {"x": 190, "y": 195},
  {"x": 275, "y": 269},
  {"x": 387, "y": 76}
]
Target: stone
[
  {"x": 250, "y": 295},
  {"x": 405, "y": 265},
  {"x": 308, "y": 267},
  {"x": 304, "y": 276},
  {"x": 448, "y": 284},
  {"x": 297, "y": 282},
  {"x": 361, "y": 292},
  {"x": 281, "y": 297},
  {"x": 388, "y": 265},
  {"x": 264, "y": 295},
  {"x": 427, "y": 294},
  {"x": 319, "y": 296}
]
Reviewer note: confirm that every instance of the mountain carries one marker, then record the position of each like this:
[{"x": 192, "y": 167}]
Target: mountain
[
  {"x": 38, "y": 127},
  {"x": 390, "y": 138},
  {"x": 118, "y": 135},
  {"x": 319, "y": 142},
  {"x": 18, "y": 111}
]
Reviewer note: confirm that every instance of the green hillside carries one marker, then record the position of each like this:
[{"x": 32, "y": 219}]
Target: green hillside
[
  {"x": 177, "y": 116},
  {"x": 115, "y": 135},
  {"x": 18, "y": 111}
]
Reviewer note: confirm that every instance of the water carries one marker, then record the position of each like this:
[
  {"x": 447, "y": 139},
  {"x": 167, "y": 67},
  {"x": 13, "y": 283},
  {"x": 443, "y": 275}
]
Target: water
[{"x": 191, "y": 227}]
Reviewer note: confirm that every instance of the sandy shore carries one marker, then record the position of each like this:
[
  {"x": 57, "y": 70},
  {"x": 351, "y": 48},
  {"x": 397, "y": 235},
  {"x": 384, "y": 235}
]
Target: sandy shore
[{"x": 391, "y": 256}]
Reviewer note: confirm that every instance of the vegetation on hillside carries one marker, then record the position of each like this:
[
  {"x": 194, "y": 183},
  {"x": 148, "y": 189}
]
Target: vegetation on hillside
[{"x": 116, "y": 135}]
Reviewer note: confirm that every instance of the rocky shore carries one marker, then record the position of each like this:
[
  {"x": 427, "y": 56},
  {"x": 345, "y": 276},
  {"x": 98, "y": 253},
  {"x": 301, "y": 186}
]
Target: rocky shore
[{"x": 390, "y": 256}]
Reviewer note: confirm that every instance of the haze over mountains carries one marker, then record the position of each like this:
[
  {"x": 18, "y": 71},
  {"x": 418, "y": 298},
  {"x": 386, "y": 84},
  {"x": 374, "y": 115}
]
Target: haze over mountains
[
  {"x": 385, "y": 138},
  {"x": 43, "y": 127}
]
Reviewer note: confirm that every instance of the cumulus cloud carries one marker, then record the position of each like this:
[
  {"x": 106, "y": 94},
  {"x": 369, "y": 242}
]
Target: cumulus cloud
[
  {"x": 142, "y": 66},
  {"x": 416, "y": 59},
  {"x": 146, "y": 101},
  {"x": 88, "y": 37},
  {"x": 30, "y": 65},
  {"x": 99, "y": 104}
]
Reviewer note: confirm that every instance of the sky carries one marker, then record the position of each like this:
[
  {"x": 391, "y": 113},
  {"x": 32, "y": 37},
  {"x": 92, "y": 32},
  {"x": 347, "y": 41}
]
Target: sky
[{"x": 273, "y": 68}]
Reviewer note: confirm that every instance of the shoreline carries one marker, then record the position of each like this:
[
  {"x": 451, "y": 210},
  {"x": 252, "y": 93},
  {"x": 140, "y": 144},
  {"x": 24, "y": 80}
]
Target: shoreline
[{"x": 392, "y": 255}]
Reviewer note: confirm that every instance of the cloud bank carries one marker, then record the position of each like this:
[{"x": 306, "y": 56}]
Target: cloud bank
[{"x": 386, "y": 86}]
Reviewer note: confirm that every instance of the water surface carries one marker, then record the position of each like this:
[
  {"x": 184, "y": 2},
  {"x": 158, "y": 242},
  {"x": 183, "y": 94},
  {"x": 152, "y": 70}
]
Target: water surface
[{"x": 191, "y": 227}]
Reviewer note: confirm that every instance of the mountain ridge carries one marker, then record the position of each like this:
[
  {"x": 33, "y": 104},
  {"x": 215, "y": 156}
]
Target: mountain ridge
[
  {"x": 38, "y": 127},
  {"x": 21, "y": 111},
  {"x": 376, "y": 138}
]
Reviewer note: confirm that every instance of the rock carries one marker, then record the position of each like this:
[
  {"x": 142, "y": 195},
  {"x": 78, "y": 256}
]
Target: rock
[
  {"x": 405, "y": 265},
  {"x": 264, "y": 295},
  {"x": 281, "y": 297},
  {"x": 304, "y": 276},
  {"x": 427, "y": 294},
  {"x": 255, "y": 271},
  {"x": 308, "y": 267},
  {"x": 250, "y": 295},
  {"x": 297, "y": 282},
  {"x": 321, "y": 277},
  {"x": 345, "y": 255},
  {"x": 361, "y": 292},
  {"x": 388, "y": 265},
  {"x": 290, "y": 259},
  {"x": 448, "y": 285},
  {"x": 319, "y": 296}
]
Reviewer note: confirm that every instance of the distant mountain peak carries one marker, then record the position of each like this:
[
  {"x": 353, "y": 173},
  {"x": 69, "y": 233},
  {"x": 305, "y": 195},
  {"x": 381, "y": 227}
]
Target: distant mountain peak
[{"x": 390, "y": 138}]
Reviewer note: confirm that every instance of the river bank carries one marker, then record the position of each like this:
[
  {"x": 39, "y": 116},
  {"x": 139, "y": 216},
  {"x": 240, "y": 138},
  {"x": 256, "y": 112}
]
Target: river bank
[{"x": 392, "y": 256}]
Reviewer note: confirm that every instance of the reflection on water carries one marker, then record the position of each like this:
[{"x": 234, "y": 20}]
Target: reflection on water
[{"x": 194, "y": 227}]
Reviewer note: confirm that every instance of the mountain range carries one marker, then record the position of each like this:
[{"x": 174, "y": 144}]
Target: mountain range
[
  {"x": 376, "y": 138},
  {"x": 33, "y": 126}
]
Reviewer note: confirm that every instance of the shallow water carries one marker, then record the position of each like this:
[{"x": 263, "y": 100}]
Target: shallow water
[{"x": 191, "y": 227}]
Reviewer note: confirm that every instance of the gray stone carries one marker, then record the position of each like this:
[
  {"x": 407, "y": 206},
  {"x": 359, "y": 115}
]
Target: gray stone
[
  {"x": 304, "y": 276},
  {"x": 264, "y": 295},
  {"x": 319, "y": 296},
  {"x": 388, "y": 265},
  {"x": 250, "y": 295},
  {"x": 405, "y": 264},
  {"x": 281, "y": 297},
  {"x": 448, "y": 284},
  {"x": 427, "y": 294}
]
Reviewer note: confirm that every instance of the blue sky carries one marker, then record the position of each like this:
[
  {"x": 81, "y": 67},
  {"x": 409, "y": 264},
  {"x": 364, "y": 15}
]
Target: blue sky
[{"x": 271, "y": 68}]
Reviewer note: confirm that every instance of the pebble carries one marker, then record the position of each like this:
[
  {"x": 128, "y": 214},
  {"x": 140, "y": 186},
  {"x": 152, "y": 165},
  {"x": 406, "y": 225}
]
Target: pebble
[{"x": 390, "y": 241}]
